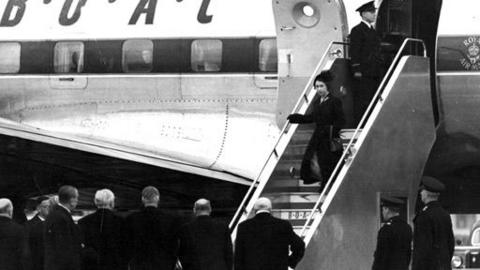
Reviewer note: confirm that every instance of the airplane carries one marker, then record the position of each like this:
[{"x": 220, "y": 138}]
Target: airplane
[
  {"x": 180, "y": 94},
  {"x": 192, "y": 96}
]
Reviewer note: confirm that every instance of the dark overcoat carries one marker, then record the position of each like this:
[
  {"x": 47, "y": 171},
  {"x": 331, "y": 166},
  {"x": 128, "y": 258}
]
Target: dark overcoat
[
  {"x": 104, "y": 239},
  {"x": 433, "y": 240},
  {"x": 152, "y": 238},
  {"x": 264, "y": 242},
  {"x": 62, "y": 241},
  {"x": 394, "y": 246},
  {"x": 365, "y": 51},
  {"x": 205, "y": 245},
  {"x": 12, "y": 245},
  {"x": 35, "y": 230},
  {"x": 327, "y": 114},
  {"x": 366, "y": 57}
]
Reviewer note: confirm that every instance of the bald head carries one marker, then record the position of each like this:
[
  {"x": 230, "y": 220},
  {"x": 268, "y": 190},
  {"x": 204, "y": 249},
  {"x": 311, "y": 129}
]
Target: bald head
[
  {"x": 262, "y": 204},
  {"x": 202, "y": 207},
  {"x": 6, "y": 208}
]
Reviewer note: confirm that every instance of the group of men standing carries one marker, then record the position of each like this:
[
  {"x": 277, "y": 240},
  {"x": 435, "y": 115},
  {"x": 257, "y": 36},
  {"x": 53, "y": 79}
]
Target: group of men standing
[
  {"x": 433, "y": 240},
  {"x": 146, "y": 240}
]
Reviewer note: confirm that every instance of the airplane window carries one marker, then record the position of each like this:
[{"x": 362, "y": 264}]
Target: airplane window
[
  {"x": 9, "y": 57},
  {"x": 206, "y": 55},
  {"x": 267, "y": 55},
  {"x": 137, "y": 56},
  {"x": 68, "y": 57},
  {"x": 476, "y": 237}
]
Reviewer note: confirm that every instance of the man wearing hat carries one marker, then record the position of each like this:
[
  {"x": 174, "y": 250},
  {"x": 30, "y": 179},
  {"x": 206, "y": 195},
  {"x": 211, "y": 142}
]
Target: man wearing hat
[
  {"x": 433, "y": 241},
  {"x": 394, "y": 238},
  {"x": 366, "y": 59}
]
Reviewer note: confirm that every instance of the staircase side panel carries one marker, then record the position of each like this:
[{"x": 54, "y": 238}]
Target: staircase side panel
[{"x": 397, "y": 140}]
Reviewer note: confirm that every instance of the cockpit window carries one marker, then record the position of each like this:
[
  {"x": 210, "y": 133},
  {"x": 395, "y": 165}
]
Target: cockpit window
[
  {"x": 68, "y": 57},
  {"x": 137, "y": 56},
  {"x": 9, "y": 57},
  {"x": 206, "y": 55},
  {"x": 267, "y": 55}
]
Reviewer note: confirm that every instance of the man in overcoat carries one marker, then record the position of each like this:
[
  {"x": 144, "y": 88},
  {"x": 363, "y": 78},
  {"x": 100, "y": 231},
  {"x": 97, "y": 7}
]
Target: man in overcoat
[
  {"x": 265, "y": 242},
  {"x": 12, "y": 239},
  {"x": 205, "y": 244},
  {"x": 35, "y": 232},
  {"x": 394, "y": 241},
  {"x": 152, "y": 235},
  {"x": 366, "y": 59},
  {"x": 62, "y": 236},
  {"x": 433, "y": 240},
  {"x": 103, "y": 235}
]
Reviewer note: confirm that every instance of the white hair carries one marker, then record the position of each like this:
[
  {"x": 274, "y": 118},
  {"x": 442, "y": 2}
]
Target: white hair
[
  {"x": 104, "y": 198},
  {"x": 262, "y": 204},
  {"x": 6, "y": 207}
]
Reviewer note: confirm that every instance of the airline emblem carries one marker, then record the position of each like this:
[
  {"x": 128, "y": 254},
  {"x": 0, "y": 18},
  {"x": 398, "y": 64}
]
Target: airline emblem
[{"x": 471, "y": 60}]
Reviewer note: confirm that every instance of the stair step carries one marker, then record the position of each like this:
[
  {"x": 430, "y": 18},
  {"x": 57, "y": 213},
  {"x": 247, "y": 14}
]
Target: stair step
[
  {"x": 285, "y": 165},
  {"x": 293, "y": 197},
  {"x": 295, "y": 149},
  {"x": 290, "y": 205},
  {"x": 293, "y": 157},
  {"x": 298, "y": 229},
  {"x": 347, "y": 134},
  {"x": 291, "y": 188}
]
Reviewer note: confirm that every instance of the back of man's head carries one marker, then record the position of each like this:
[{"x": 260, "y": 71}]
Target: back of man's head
[
  {"x": 104, "y": 198},
  {"x": 150, "y": 196},
  {"x": 202, "y": 207},
  {"x": 262, "y": 204},
  {"x": 6, "y": 208},
  {"x": 66, "y": 194}
]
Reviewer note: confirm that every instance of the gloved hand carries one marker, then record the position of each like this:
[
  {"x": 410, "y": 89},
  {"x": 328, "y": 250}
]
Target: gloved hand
[{"x": 295, "y": 118}]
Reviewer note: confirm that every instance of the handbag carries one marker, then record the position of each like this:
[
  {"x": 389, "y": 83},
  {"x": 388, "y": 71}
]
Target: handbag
[{"x": 334, "y": 143}]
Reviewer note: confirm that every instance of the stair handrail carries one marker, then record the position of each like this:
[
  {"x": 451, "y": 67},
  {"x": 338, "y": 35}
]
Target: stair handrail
[
  {"x": 348, "y": 150},
  {"x": 301, "y": 101}
]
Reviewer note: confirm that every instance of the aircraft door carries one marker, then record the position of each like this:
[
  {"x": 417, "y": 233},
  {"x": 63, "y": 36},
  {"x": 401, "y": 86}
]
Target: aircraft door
[
  {"x": 68, "y": 63},
  {"x": 304, "y": 29}
]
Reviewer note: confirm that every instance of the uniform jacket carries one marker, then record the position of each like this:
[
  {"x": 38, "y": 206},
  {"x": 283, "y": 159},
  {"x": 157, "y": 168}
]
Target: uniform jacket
[
  {"x": 263, "y": 243},
  {"x": 62, "y": 241},
  {"x": 433, "y": 241},
  {"x": 104, "y": 239},
  {"x": 152, "y": 239},
  {"x": 12, "y": 245},
  {"x": 365, "y": 51},
  {"x": 35, "y": 229},
  {"x": 393, "y": 246},
  {"x": 205, "y": 245}
]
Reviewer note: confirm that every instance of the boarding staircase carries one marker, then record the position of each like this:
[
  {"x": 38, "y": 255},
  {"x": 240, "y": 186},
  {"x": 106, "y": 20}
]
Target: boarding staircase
[
  {"x": 291, "y": 198},
  {"x": 301, "y": 204}
]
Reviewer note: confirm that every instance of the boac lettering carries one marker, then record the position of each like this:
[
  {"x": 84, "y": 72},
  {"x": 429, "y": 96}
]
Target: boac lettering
[
  {"x": 20, "y": 5},
  {"x": 202, "y": 16},
  {"x": 64, "y": 19},
  {"x": 147, "y": 7}
]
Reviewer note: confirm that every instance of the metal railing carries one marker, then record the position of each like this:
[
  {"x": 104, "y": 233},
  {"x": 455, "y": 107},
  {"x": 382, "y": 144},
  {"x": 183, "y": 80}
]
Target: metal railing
[
  {"x": 303, "y": 100},
  {"x": 349, "y": 151}
]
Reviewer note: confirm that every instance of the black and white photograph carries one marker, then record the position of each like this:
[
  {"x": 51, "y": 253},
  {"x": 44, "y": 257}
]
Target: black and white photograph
[{"x": 239, "y": 134}]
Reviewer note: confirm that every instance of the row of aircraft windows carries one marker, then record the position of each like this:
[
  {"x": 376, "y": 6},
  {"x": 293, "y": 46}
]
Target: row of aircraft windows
[{"x": 139, "y": 56}]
